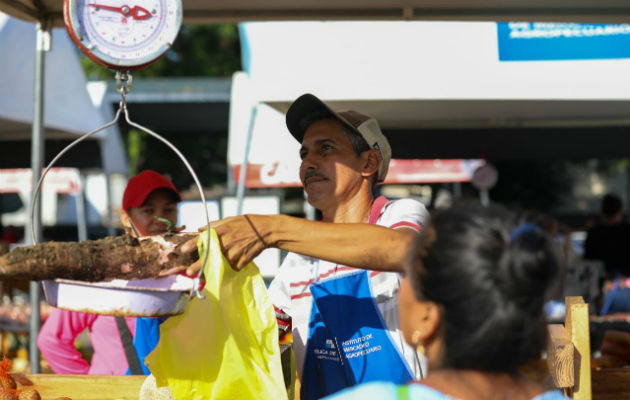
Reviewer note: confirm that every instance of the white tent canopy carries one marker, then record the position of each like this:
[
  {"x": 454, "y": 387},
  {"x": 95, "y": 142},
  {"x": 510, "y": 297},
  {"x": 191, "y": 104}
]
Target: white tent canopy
[
  {"x": 69, "y": 110},
  {"x": 273, "y": 159},
  {"x": 430, "y": 75},
  {"x": 409, "y": 76}
]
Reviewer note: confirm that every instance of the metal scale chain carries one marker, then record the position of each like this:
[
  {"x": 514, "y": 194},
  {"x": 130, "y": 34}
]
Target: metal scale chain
[{"x": 124, "y": 82}]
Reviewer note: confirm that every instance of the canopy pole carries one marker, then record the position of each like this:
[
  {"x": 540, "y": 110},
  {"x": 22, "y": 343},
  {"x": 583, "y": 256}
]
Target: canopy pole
[
  {"x": 43, "y": 40},
  {"x": 240, "y": 190},
  {"x": 82, "y": 234},
  {"x": 110, "y": 217},
  {"x": 484, "y": 197},
  {"x": 457, "y": 190}
]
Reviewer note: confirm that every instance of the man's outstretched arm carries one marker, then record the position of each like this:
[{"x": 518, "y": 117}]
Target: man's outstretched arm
[{"x": 359, "y": 245}]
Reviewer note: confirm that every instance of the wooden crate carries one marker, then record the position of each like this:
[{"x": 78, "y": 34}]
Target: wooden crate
[
  {"x": 86, "y": 387},
  {"x": 611, "y": 383}
]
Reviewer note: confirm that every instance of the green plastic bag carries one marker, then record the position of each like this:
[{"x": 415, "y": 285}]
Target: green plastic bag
[{"x": 226, "y": 345}]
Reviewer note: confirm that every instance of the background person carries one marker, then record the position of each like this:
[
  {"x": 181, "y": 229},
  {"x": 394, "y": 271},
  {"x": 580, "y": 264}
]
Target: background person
[
  {"x": 147, "y": 197},
  {"x": 472, "y": 301},
  {"x": 609, "y": 241}
]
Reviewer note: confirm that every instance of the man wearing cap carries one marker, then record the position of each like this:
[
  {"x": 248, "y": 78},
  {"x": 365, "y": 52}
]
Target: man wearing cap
[
  {"x": 344, "y": 155},
  {"x": 149, "y": 205}
]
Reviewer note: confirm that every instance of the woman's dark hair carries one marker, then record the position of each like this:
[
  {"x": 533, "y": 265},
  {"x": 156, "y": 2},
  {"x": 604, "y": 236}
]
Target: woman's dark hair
[{"x": 488, "y": 272}]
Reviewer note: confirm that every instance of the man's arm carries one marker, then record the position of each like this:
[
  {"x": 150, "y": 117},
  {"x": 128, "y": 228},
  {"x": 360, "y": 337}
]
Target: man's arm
[{"x": 359, "y": 245}]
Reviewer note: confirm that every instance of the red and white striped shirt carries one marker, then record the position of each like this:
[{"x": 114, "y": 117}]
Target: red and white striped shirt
[{"x": 290, "y": 289}]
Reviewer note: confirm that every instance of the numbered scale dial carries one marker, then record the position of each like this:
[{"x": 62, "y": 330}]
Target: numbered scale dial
[{"x": 123, "y": 34}]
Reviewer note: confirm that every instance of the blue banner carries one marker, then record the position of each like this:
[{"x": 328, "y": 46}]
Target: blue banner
[{"x": 538, "y": 41}]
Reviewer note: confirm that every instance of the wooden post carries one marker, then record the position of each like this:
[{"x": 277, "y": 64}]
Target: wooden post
[
  {"x": 560, "y": 354},
  {"x": 577, "y": 326}
]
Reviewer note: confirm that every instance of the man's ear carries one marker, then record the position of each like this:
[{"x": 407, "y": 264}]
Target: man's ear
[{"x": 371, "y": 162}]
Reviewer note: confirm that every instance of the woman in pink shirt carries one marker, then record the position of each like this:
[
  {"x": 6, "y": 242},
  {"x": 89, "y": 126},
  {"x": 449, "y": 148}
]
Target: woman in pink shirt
[{"x": 148, "y": 198}]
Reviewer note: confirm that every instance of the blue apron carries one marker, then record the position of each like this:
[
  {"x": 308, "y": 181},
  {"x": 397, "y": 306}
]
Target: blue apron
[{"x": 348, "y": 341}]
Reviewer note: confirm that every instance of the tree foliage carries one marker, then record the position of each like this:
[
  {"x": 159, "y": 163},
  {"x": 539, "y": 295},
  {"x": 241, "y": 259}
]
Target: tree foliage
[
  {"x": 199, "y": 50},
  {"x": 205, "y": 153}
]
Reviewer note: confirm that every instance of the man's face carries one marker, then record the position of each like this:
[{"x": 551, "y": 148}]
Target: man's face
[
  {"x": 330, "y": 169},
  {"x": 160, "y": 203}
]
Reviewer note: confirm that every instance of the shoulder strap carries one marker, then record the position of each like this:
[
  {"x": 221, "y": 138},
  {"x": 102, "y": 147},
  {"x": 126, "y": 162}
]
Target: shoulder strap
[
  {"x": 377, "y": 209},
  {"x": 130, "y": 351}
]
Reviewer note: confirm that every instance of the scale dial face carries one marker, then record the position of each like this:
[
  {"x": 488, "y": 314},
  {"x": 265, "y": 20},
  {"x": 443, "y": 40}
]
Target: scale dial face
[{"x": 123, "y": 34}]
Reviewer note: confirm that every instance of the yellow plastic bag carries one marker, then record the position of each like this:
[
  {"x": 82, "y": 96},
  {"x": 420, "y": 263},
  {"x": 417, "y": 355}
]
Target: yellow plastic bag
[{"x": 226, "y": 345}]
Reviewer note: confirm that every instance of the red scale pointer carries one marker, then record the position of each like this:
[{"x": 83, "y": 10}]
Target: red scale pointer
[{"x": 137, "y": 12}]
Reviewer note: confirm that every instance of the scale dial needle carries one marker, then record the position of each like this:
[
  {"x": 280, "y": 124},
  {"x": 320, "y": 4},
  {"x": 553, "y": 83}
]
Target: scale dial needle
[{"x": 136, "y": 12}]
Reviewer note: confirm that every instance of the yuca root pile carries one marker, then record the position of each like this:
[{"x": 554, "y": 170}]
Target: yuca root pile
[
  {"x": 122, "y": 257},
  {"x": 9, "y": 388}
]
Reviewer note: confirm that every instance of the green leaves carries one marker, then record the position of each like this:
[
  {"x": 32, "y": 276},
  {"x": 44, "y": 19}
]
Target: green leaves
[
  {"x": 199, "y": 50},
  {"x": 167, "y": 222}
]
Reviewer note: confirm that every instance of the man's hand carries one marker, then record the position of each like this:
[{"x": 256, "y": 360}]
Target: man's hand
[
  {"x": 185, "y": 248},
  {"x": 241, "y": 239}
]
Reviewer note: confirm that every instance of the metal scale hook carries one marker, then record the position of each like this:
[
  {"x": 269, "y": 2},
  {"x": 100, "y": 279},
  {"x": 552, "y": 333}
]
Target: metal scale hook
[{"x": 123, "y": 86}]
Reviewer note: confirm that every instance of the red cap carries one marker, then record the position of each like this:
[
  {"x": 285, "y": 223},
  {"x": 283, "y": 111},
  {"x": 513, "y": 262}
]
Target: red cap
[{"x": 142, "y": 185}]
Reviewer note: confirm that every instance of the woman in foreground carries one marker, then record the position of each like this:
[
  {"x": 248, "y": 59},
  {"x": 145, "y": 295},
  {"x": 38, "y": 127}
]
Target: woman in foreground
[{"x": 472, "y": 302}]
